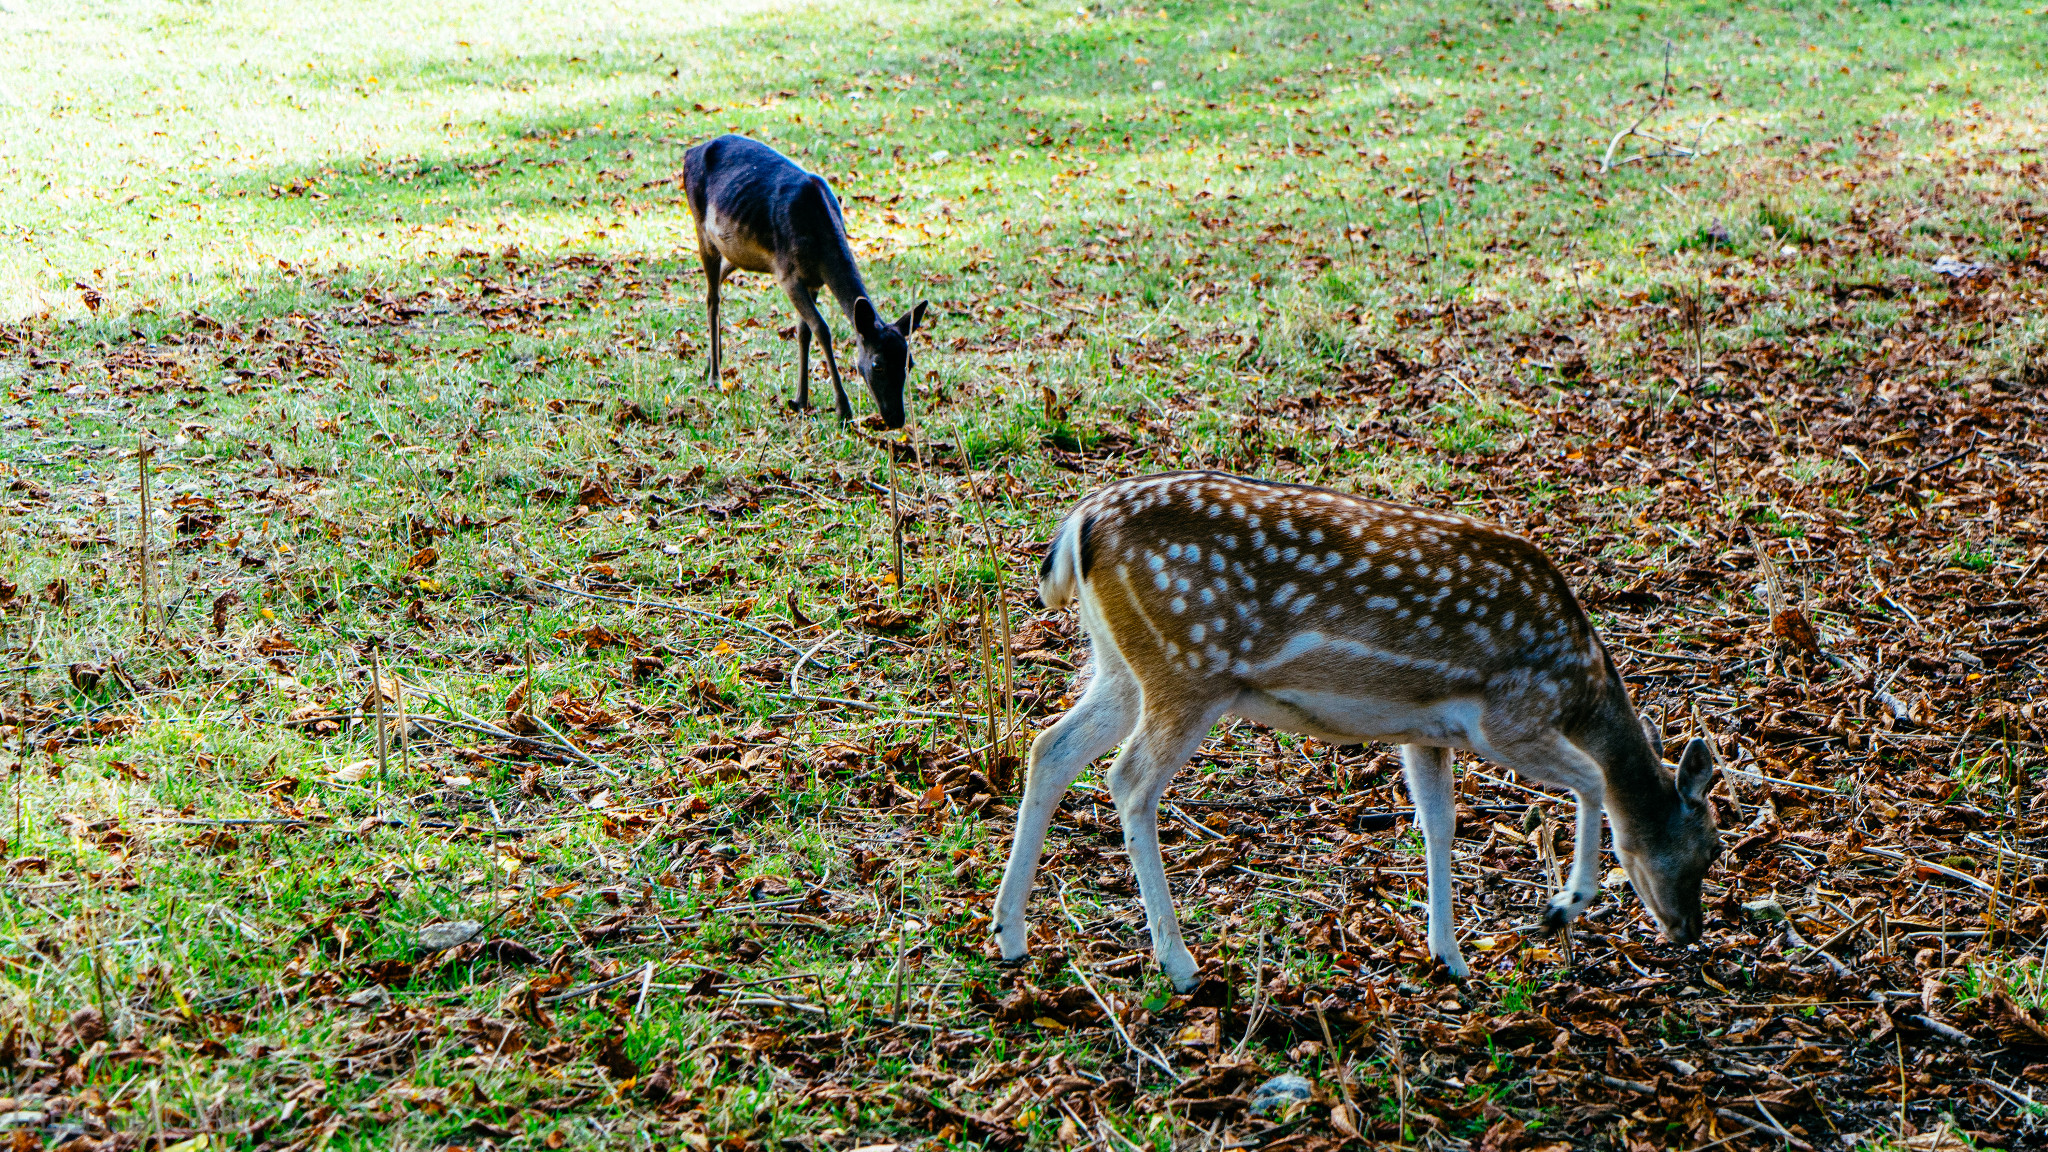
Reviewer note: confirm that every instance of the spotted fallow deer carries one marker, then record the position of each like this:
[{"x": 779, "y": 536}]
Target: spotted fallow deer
[
  {"x": 1348, "y": 620},
  {"x": 757, "y": 211}
]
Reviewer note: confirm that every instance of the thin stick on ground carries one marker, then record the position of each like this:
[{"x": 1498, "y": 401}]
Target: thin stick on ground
[
  {"x": 143, "y": 453},
  {"x": 1109, "y": 1011},
  {"x": 666, "y": 606},
  {"x": 1607, "y": 161}
]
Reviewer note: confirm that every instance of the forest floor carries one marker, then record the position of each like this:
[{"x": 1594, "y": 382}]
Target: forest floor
[{"x": 435, "y": 716}]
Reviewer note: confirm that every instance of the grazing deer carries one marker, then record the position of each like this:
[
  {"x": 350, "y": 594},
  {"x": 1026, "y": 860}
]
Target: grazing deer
[
  {"x": 756, "y": 210},
  {"x": 1348, "y": 620}
]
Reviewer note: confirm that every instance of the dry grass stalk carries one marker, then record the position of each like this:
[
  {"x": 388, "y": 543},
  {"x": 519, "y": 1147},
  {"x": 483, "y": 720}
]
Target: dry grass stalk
[
  {"x": 377, "y": 714},
  {"x": 895, "y": 519},
  {"x": 1009, "y": 711},
  {"x": 404, "y": 736},
  {"x": 988, "y": 676}
]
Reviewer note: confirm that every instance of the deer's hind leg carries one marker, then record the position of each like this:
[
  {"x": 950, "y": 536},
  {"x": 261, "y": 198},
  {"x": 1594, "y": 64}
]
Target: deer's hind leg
[
  {"x": 1104, "y": 716},
  {"x": 1163, "y": 742},
  {"x": 714, "y": 275},
  {"x": 1429, "y": 786}
]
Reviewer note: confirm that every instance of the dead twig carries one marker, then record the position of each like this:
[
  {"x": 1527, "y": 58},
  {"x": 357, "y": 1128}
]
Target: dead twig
[{"x": 665, "y": 606}]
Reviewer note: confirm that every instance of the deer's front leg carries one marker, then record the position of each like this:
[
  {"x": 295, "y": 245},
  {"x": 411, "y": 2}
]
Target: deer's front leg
[
  {"x": 1584, "y": 885},
  {"x": 807, "y": 309},
  {"x": 839, "y": 401},
  {"x": 1429, "y": 786},
  {"x": 803, "y": 366}
]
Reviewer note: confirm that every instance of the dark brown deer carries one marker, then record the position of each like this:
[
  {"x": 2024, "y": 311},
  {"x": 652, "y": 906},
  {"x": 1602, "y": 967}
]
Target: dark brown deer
[
  {"x": 1348, "y": 620},
  {"x": 757, "y": 211}
]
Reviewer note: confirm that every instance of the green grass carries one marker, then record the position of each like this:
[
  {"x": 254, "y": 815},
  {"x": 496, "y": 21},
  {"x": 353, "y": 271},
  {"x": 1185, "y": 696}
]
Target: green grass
[{"x": 405, "y": 301}]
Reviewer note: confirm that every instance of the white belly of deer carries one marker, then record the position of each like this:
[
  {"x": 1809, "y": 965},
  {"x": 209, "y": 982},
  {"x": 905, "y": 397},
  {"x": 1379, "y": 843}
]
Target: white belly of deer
[
  {"x": 735, "y": 245},
  {"x": 1349, "y": 718}
]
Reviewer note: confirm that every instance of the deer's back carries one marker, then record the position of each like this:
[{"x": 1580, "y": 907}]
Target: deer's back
[
  {"x": 754, "y": 203},
  {"x": 1244, "y": 585}
]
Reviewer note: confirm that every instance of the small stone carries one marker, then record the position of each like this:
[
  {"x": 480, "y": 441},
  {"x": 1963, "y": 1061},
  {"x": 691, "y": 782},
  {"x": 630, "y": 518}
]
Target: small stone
[
  {"x": 1956, "y": 269},
  {"x": 1767, "y": 909},
  {"x": 441, "y": 937},
  {"x": 375, "y": 996},
  {"x": 1280, "y": 1094}
]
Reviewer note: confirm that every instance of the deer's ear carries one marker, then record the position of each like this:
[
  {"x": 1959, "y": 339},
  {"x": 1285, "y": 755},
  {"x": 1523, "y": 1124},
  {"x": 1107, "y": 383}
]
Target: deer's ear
[
  {"x": 1655, "y": 738},
  {"x": 864, "y": 320},
  {"x": 912, "y": 320},
  {"x": 1695, "y": 771}
]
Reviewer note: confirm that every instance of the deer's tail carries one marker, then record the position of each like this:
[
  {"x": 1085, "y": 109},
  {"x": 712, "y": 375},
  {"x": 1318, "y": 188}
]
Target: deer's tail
[{"x": 1066, "y": 561}]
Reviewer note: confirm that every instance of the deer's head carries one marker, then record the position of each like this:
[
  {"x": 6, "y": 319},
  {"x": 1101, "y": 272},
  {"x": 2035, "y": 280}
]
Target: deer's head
[
  {"x": 1667, "y": 855},
  {"x": 884, "y": 360}
]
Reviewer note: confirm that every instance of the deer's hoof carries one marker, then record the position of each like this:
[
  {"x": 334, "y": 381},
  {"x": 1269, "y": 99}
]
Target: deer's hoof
[{"x": 1565, "y": 908}]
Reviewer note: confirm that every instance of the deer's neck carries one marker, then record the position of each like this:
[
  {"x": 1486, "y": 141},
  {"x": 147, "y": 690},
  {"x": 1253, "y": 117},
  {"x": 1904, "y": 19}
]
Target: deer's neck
[
  {"x": 842, "y": 279},
  {"x": 1640, "y": 792}
]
